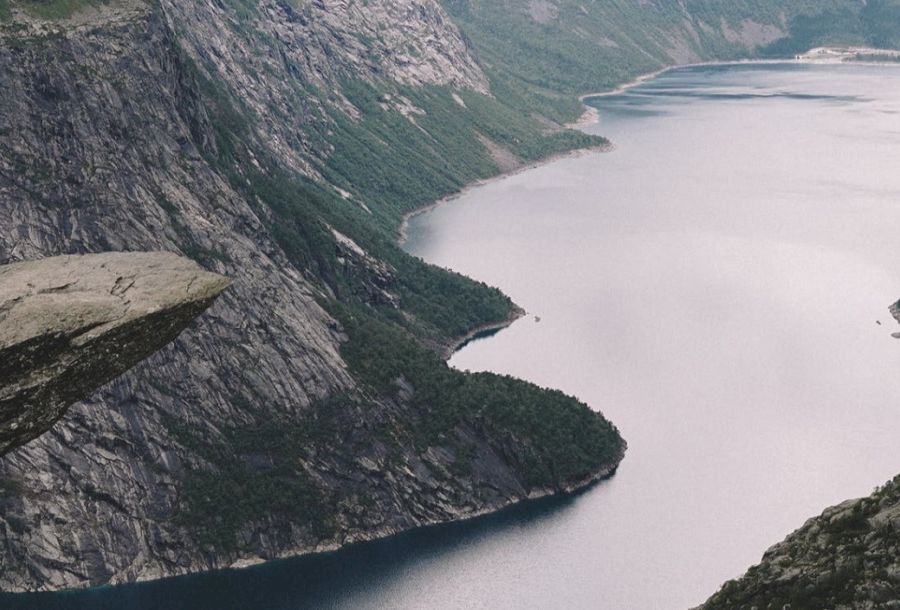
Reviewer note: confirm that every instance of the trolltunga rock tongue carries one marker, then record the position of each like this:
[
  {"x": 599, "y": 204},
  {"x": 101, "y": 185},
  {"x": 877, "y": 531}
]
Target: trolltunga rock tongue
[{"x": 70, "y": 324}]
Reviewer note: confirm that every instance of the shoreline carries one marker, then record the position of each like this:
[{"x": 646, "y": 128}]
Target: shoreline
[
  {"x": 588, "y": 118},
  {"x": 604, "y": 473},
  {"x": 607, "y": 471},
  {"x": 402, "y": 236},
  {"x": 591, "y": 116},
  {"x": 454, "y": 344},
  {"x": 239, "y": 564},
  {"x": 482, "y": 330}
]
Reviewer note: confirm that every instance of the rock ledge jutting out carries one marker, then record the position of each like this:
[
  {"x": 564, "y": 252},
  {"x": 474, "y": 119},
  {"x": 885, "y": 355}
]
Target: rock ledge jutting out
[{"x": 70, "y": 324}]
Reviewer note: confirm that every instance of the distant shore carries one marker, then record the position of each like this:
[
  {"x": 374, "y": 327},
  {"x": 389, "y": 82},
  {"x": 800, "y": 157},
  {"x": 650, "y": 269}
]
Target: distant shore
[
  {"x": 824, "y": 55},
  {"x": 849, "y": 54},
  {"x": 591, "y": 116}
]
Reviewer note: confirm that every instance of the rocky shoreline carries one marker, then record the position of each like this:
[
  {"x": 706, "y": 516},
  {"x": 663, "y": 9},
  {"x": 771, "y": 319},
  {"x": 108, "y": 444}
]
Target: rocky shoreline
[
  {"x": 604, "y": 473},
  {"x": 480, "y": 331}
]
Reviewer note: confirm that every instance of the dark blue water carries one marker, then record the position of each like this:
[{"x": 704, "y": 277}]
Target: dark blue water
[{"x": 319, "y": 581}]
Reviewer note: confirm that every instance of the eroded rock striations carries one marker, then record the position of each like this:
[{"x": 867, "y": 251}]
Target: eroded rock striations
[{"x": 70, "y": 324}]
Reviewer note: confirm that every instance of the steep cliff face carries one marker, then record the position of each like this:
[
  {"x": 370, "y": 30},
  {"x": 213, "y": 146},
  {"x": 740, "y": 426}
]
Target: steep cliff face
[
  {"x": 286, "y": 62},
  {"x": 70, "y": 324},
  {"x": 97, "y": 153}
]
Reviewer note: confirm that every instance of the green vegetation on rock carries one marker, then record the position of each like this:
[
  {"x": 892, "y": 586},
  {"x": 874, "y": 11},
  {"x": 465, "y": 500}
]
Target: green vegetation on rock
[
  {"x": 52, "y": 9},
  {"x": 554, "y": 441}
]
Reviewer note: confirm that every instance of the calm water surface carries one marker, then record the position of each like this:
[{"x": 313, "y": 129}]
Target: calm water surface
[{"x": 713, "y": 286}]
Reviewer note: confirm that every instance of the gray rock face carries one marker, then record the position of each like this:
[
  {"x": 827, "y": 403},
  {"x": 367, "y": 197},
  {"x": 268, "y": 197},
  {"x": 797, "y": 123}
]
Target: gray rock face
[
  {"x": 318, "y": 46},
  {"x": 70, "y": 324},
  {"x": 98, "y": 124}
]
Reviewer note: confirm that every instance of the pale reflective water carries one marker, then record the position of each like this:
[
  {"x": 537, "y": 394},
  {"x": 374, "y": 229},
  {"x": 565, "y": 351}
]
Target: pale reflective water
[{"x": 713, "y": 286}]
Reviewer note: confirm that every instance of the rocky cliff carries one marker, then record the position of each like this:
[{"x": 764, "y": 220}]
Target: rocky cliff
[
  {"x": 848, "y": 558},
  {"x": 70, "y": 324}
]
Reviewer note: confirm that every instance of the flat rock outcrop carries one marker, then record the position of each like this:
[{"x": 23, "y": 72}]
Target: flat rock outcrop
[{"x": 69, "y": 324}]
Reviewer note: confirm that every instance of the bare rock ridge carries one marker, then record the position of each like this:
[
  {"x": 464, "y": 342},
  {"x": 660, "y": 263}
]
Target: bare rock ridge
[{"x": 69, "y": 324}]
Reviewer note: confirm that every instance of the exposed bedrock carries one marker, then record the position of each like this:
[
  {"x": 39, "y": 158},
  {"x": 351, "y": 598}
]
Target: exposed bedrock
[{"x": 70, "y": 324}]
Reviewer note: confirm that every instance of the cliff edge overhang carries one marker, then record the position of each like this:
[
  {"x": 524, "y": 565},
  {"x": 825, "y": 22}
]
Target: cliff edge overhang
[{"x": 70, "y": 324}]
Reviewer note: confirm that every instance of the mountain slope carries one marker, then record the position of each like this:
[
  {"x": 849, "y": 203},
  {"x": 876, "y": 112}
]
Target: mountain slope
[{"x": 569, "y": 46}]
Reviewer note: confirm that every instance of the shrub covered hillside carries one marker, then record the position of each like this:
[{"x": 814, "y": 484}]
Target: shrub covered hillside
[{"x": 575, "y": 47}]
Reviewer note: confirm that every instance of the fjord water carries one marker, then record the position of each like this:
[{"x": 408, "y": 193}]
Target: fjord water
[{"x": 713, "y": 286}]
